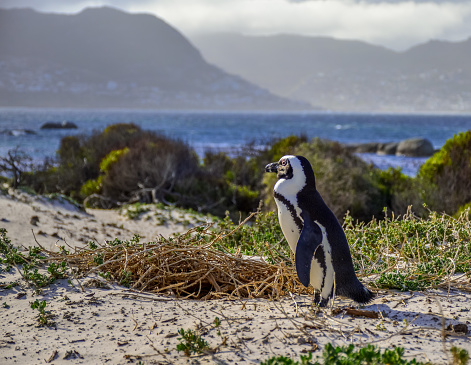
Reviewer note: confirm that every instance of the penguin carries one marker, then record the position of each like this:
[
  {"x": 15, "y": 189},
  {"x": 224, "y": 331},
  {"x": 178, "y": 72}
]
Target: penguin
[{"x": 314, "y": 234}]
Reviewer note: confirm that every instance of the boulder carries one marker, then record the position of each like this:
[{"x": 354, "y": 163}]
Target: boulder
[
  {"x": 371, "y": 147},
  {"x": 387, "y": 148},
  {"x": 59, "y": 125},
  {"x": 415, "y": 147}
]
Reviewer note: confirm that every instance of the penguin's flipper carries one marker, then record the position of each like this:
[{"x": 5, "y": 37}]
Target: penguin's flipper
[{"x": 309, "y": 240}]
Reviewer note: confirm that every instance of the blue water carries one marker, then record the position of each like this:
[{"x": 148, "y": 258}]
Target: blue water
[{"x": 204, "y": 130}]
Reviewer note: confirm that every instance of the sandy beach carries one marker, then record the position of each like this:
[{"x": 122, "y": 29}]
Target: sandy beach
[{"x": 98, "y": 322}]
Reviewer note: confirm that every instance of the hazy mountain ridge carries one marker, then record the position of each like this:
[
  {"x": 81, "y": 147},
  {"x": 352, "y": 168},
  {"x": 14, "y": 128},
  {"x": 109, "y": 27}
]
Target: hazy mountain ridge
[
  {"x": 349, "y": 75},
  {"x": 103, "y": 57}
]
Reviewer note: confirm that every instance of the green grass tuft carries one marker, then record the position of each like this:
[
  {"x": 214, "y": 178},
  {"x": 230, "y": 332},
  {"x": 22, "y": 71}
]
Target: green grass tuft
[
  {"x": 347, "y": 355},
  {"x": 191, "y": 343}
]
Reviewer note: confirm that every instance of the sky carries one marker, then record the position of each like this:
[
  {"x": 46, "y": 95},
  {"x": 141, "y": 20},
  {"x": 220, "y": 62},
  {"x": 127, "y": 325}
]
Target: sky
[{"x": 395, "y": 24}]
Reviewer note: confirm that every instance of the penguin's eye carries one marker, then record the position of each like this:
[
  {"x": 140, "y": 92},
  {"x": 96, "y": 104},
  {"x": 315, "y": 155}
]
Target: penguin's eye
[{"x": 283, "y": 162}]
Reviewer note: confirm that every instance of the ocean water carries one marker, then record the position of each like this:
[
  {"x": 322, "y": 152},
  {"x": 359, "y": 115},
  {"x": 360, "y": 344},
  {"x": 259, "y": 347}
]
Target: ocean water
[{"x": 229, "y": 131}]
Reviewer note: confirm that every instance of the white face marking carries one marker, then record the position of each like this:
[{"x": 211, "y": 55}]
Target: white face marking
[{"x": 290, "y": 187}]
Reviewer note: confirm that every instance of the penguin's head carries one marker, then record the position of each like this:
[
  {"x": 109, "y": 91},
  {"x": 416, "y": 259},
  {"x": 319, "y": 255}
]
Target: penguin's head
[{"x": 295, "y": 171}]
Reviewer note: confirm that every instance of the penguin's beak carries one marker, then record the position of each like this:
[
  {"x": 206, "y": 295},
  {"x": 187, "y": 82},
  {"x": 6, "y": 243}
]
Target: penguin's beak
[{"x": 272, "y": 167}]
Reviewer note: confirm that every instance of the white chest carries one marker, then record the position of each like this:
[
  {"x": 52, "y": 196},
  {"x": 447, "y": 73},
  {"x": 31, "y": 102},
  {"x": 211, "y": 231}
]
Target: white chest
[
  {"x": 320, "y": 279},
  {"x": 286, "y": 217},
  {"x": 288, "y": 225}
]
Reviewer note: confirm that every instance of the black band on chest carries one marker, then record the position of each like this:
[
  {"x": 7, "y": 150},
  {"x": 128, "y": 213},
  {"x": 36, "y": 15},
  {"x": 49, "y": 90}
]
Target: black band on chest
[
  {"x": 291, "y": 209},
  {"x": 320, "y": 257}
]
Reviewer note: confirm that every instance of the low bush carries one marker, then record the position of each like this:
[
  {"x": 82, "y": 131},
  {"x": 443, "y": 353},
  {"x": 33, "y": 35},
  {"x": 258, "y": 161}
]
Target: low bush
[
  {"x": 411, "y": 253},
  {"x": 447, "y": 175},
  {"x": 126, "y": 164},
  {"x": 401, "y": 192},
  {"x": 155, "y": 162},
  {"x": 15, "y": 164}
]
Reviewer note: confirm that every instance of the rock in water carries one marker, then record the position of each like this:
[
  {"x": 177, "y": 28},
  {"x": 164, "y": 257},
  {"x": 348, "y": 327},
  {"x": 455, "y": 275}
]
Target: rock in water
[
  {"x": 370, "y": 147},
  {"x": 387, "y": 148},
  {"x": 59, "y": 125},
  {"x": 415, "y": 147}
]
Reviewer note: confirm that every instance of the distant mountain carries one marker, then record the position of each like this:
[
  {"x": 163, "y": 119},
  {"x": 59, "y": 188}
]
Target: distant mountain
[
  {"x": 349, "y": 75},
  {"x": 103, "y": 57}
]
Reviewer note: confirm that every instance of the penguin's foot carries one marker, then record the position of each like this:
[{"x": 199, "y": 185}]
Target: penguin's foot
[{"x": 318, "y": 301}]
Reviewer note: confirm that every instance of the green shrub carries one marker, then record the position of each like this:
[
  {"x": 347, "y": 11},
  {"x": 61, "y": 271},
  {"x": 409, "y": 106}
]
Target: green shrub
[
  {"x": 111, "y": 158},
  {"x": 124, "y": 163},
  {"x": 464, "y": 210},
  {"x": 284, "y": 146},
  {"x": 155, "y": 163},
  {"x": 190, "y": 342},
  {"x": 91, "y": 187},
  {"x": 401, "y": 191},
  {"x": 94, "y": 186},
  {"x": 446, "y": 175}
]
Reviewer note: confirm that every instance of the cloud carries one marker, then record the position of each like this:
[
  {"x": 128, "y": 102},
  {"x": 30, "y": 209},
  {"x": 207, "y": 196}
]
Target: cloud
[{"x": 395, "y": 24}]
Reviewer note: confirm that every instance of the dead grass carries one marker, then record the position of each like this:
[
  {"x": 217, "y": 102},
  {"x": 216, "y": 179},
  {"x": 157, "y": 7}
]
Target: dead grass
[{"x": 186, "y": 266}]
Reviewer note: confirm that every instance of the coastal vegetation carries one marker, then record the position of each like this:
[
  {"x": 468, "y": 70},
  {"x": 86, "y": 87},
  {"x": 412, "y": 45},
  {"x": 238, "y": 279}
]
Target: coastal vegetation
[
  {"x": 408, "y": 233},
  {"x": 125, "y": 164}
]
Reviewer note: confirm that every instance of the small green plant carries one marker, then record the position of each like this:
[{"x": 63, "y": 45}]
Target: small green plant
[
  {"x": 460, "y": 356},
  {"x": 32, "y": 275},
  {"x": 5, "y": 305},
  {"x": 98, "y": 259},
  {"x": 63, "y": 250},
  {"x": 217, "y": 322},
  {"x": 57, "y": 271},
  {"x": 399, "y": 281},
  {"x": 283, "y": 360},
  {"x": 44, "y": 316},
  {"x": 346, "y": 355},
  {"x": 190, "y": 342},
  {"x": 9, "y": 255},
  {"x": 34, "y": 254},
  {"x": 92, "y": 245},
  {"x": 92, "y": 186},
  {"x": 126, "y": 279},
  {"x": 380, "y": 326},
  {"x": 105, "y": 275},
  {"x": 134, "y": 211},
  {"x": 11, "y": 285}
]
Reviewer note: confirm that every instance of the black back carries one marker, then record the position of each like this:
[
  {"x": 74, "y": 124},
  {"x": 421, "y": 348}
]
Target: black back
[{"x": 309, "y": 199}]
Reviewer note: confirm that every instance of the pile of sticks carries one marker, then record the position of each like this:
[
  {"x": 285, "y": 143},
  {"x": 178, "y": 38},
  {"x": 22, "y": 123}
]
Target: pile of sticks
[{"x": 186, "y": 266}]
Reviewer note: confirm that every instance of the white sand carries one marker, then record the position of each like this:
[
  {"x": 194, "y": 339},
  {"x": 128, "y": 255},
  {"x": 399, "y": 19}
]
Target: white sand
[
  {"x": 115, "y": 326},
  {"x": 59, "y": 222}
]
